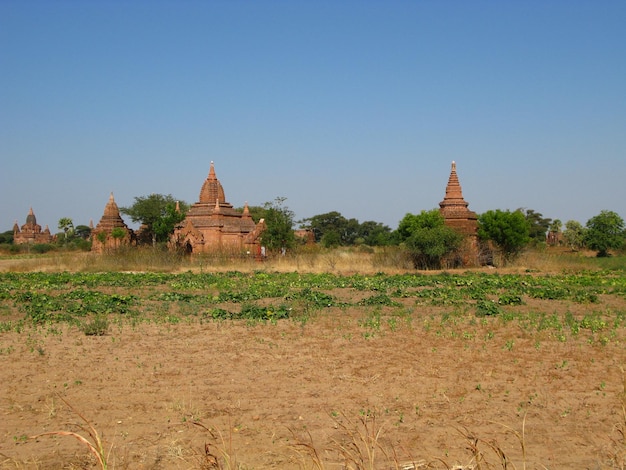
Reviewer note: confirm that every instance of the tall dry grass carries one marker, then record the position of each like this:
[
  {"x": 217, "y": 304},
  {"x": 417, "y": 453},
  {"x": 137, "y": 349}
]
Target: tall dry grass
[{"x": 315, "y": 259}]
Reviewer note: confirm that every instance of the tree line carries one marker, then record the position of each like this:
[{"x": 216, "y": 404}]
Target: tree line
[{"x": 425, "y": 237}]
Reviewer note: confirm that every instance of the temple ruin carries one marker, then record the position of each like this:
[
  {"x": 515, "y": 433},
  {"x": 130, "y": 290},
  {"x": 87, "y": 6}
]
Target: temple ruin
[
  {"x": 212, "y": 224},
  {"x": 31, "y": 232},
  {"x": 457, "y": 215},
  {"x": 111, "y": 232}
]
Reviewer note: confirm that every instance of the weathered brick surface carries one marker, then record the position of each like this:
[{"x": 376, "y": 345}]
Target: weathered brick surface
[
  {"x": 31, "y": 231},
  {"x": 102, "y": 238},
  {"x": 457, "y": 215},
  {"x": 212, "y": 224}
]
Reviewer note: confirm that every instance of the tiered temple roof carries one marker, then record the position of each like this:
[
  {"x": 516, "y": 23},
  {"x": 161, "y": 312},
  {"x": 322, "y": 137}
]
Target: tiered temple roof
[
  {"x": 456, "y": 215},
  {"x": 105, "y": 236},
  {"x": 454, "y": 208},
  {"x": 213, "y": 224},
  {"x": 111, "y": 217},
  {"x": 31, "y": 231}
]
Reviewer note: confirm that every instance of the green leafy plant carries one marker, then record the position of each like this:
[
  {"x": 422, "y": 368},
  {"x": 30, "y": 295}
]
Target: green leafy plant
[{"x": 487, "y": 308}]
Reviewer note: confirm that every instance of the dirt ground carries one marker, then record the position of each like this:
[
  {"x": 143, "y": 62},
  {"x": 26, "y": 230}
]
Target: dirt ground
[{"x": 293, "y": 395}]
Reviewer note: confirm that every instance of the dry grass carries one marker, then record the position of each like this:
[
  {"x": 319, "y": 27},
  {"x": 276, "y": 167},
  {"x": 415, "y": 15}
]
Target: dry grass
[
  {"x": 361, "y": 441},
  {"x": 346, "y": 260},
  {"x": 306, "y": 259},
  {"x": 93, "y": 442},
  {"x": 363, "y": 445},
  {"x": 218, "y": 452}
]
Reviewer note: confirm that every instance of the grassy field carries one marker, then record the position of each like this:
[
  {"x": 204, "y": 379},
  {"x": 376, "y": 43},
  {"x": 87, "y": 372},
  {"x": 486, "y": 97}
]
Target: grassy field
[{"x": 327, "y": 359}]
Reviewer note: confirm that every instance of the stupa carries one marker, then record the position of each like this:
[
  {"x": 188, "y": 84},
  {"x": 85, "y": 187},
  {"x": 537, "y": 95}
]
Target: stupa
[
  {"x": 31, "y": 231},
  {"x": 454, "y": 208},
  {"x": 212, "y": 224},
  {"x": 457, "y": 215},
  {"x": 111, "y": 232}
]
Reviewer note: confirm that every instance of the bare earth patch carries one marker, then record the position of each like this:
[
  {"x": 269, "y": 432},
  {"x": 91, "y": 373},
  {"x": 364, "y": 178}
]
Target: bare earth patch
[{"x": 293, "y": 394}]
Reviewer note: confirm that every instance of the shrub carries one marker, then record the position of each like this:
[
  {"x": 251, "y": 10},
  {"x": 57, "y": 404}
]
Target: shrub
[
  {"x": 99, "y": 326},
  {"x": 605, "y": 232},
  {"x": 41, "y": 248},
  {"x": 485, "y": 308}
]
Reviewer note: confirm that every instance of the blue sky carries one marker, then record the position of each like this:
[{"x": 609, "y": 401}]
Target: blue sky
[{"x": 353, "y": 106}]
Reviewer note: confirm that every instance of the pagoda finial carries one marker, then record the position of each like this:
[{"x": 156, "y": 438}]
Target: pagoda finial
[
  {"x": 454, "y": 193},
  {"x": 212, "y": 171}
]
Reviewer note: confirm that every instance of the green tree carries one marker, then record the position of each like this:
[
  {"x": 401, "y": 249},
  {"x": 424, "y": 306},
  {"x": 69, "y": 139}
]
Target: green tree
[
  {"x": 67, "y": 225},
  {"x": 574, "y": 235},
  {"x": 326, "y": 227},
  {"x": 374, "y": 233},
  {"x": 332, "y": 229},
  {"x": 555, "y": 226},
  {"x": 164, "y": 226},
  {"x": 411, "y": 222},
  {"x": 6, "y": 237},
  {"x": 82, "y": 231},
  {"x": 605, "y": 232},
  {"x": 428, "y": 239},
  {"x": 554, "y": 236},
  {"x": 278, "y": 233},
  {"x": 157, "y": 213},
  {"x": 331, "y": 239},
  {"x": 509, "y": 231},
  {"x": 538, "y": 225}
]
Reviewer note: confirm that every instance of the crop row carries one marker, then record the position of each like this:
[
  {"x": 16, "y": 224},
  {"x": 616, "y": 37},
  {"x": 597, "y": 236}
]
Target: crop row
[
  {"x": 66, "y": 296},
  {"x": 276, "y": 284}
]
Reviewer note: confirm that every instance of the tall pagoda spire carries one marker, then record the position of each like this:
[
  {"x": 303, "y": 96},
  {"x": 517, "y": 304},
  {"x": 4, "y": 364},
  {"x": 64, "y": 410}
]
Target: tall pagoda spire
[
  {"x": 30, "y": 218},
  {"x": 454, "y": 208},
  {"x": 212, "y": 189},
  {"x": 453, "y": 200},
  {"x": 111, "y": 217}
]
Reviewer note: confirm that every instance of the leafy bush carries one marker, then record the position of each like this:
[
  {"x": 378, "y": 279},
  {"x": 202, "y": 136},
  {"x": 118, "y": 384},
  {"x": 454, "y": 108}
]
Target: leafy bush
[
  {"x": 510, "y": 231},
  {"x": 510, "y": 299},
  {"x": 378, "y": 299},
  {"x": 312, "y": 298},
  {"x": 486, "y": 308},
  {"x": 427, "y": 239},
  {"x": 605, "y": 232},
  {"x": 251, "y": 311},
  {"x": 40, "y": 248}
]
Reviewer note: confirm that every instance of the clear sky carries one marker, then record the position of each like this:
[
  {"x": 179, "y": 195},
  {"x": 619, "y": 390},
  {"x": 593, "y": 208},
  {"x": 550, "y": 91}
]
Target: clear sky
[{"x": 353, "y": 106}]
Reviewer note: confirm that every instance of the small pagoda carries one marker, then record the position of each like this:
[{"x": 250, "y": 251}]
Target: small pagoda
[
  {"x": 457, "y": 215},
  {"x": 111, "y": 232},
  {"x": 212, "y": 224},
  {"x": 31, "y": 232}
]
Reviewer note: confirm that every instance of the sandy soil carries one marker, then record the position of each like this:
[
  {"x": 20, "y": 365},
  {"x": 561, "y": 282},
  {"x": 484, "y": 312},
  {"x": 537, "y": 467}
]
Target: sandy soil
[{"x": 271, "y": 395}]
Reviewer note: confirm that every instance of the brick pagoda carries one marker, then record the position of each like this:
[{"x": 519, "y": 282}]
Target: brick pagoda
[
  {"x": 111, "y": 232},
  {"x": 456, "y": 214},
  {"x": 31, "y": 231},
  {"x": 212, "y": 224}
]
